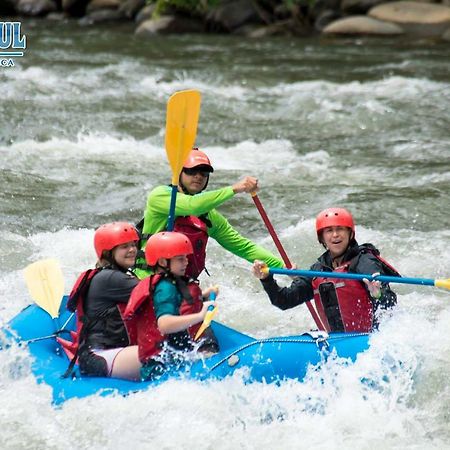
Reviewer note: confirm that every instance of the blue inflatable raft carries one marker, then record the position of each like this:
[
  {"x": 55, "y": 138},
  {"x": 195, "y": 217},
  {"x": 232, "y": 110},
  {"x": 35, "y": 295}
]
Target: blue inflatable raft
[{"x": 269, "y": 360}]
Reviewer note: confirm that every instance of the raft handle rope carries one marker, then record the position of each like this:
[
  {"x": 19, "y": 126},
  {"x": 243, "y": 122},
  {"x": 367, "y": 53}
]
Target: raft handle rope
[
  {"x": 324, "y": 340},
  {"x": 55, "y": 334}
]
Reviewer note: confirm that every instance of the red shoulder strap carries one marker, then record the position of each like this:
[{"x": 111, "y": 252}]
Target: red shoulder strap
[
  {"x": 80, "y": 289},
  {"x": 140, "y": 293},
  {"x": 388, "y": 268}
]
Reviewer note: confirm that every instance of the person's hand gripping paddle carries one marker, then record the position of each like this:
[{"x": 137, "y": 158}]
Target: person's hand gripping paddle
[{"x": 212, "y": 310}]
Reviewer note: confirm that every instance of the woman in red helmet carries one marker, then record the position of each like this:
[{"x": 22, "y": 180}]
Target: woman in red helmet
[
  {"x": 165, "y": 306},
  {"x": 197, "y": 217},
  {"x": 100, "y": 295},
  {"x": 343, "y": 305}
]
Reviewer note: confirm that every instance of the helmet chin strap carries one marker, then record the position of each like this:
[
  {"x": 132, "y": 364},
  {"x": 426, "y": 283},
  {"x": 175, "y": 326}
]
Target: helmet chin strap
[{"x": 165, "y": 269}]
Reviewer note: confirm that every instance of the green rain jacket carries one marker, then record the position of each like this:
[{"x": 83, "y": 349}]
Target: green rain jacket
[{"x": 156, "y": 217}]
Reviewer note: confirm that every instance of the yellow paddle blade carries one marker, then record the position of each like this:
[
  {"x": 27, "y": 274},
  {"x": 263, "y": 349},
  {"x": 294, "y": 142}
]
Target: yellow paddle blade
[
  {"x": 444, "y": 284},
  {"x": 183, "y": 109},
  {"x": 45, "y": 284},
  {"x": 206, "y": 322}
]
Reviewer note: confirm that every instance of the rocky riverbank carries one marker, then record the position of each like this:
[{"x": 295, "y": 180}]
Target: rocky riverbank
[{"x": 252, "y": 18}]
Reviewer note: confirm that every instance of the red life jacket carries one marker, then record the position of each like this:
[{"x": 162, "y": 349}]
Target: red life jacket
[
  {"x": 196, "y": 231},
  {"x": 76, "y": 303},
  {"x": 141, "y": 308},
  {"x": 343, "y": 305},
  {"x": 192, "y": 306},
  {"x": 78, "y": 295}
]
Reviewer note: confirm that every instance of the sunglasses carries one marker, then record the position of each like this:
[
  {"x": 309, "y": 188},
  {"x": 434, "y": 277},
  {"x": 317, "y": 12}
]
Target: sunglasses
[{"x": 192, "y": 172}]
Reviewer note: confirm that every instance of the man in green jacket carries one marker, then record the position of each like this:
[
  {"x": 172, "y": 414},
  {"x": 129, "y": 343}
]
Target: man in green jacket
[{"x": 197, "y": 217}]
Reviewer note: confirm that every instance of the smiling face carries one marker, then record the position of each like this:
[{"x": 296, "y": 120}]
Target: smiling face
[
  {"x": 194, "y": 180},
  {"x": 336, "y": 240},
  {"x": 125, "y": 254}
]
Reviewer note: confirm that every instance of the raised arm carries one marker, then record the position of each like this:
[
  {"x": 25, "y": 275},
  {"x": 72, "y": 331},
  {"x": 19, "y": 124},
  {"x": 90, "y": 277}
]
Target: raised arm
[{"x": 158, "y": 203}]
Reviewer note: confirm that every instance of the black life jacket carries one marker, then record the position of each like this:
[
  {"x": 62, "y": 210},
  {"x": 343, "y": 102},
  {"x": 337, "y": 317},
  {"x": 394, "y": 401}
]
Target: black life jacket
[
  {"x": 388, "y": 269},
  {"x": 84, "y": 323}
]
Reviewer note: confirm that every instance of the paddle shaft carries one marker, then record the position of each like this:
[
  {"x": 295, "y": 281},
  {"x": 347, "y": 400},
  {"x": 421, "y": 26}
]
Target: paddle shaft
[
  {"x": 353, "y": 276},
  {"x": 173, "y": 201},
  {"x": 283, "y": 254},
  {"x": 212, "y": 297},
  {"x": 270, "y": 228}
]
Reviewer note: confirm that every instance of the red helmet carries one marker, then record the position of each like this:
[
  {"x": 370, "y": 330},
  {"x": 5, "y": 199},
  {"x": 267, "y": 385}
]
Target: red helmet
[
  {"x": 110, "y": 235},
  {"x": 334, "y": 217},
  {"x": 166, "y": 244},
  {"x": 198, "y": 158}
]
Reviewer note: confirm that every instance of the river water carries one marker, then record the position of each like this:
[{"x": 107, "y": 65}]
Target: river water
[{"x": 358, "y": 123}]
